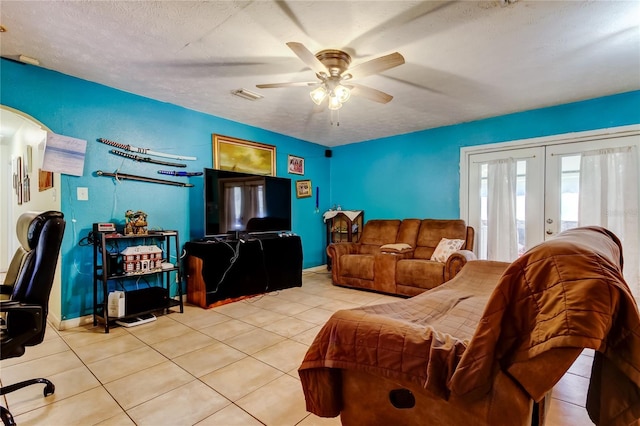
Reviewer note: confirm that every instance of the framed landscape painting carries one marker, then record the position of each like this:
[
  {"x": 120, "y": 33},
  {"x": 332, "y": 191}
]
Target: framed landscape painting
[{"x": 239, "y": 155}]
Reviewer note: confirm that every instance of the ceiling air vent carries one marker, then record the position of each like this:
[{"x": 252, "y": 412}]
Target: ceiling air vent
[{"x": 246, "y": 94}]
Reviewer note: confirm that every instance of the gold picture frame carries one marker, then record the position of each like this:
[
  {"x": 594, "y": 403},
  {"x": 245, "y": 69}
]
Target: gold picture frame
[
  {"x": 239, "y": 155},
  {"x": 45, "y": 180},
  {"x": 303, "y": 188}
]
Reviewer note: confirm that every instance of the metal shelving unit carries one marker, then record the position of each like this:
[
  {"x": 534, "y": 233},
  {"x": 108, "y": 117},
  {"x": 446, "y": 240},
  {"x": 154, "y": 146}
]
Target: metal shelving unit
[{"x": 107, "y": 274}]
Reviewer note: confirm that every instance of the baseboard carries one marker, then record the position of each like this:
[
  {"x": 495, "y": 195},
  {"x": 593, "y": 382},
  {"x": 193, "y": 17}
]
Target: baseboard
[
  {"x": 77, "y": 322},
  {"x": 72, "y": 323},
  {"x": 88, "y": 319},
  {"x": 319, "y": 268},
  {"x": 53, "y": 320}
]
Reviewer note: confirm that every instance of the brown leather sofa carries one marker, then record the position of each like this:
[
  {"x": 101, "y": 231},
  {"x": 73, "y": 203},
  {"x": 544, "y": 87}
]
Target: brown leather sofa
[
  {"x": 394, "y": 256},
  {"x": 482, "y": 348}
]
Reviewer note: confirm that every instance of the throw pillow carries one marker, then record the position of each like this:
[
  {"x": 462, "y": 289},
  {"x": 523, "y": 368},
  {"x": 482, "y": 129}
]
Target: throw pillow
[
  {"x": 445, "y": 248},
  {"x": 395, "y": 248}
]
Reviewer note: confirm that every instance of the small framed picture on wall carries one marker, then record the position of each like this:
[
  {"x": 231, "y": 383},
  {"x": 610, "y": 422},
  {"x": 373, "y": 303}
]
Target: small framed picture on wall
[
  {"x": 295, "y": 165},
  {"x": 303, "y": 188}
]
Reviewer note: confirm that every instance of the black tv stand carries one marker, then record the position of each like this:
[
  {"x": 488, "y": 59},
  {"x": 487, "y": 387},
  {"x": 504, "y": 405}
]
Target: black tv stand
[
  {"x": 219, "y": 269},
  {"x": 246, "y": 235}
]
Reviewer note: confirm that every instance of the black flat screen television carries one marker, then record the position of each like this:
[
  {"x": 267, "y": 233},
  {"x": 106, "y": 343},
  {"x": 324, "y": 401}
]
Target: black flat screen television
[{"x": 244, "y": 202}]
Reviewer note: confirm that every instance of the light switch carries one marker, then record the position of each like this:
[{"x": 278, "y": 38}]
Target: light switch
[{"x": 83, "y": 194}]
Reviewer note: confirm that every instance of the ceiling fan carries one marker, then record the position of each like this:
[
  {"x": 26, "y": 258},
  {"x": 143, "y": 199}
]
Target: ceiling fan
[{"x": 335, "y": 77}]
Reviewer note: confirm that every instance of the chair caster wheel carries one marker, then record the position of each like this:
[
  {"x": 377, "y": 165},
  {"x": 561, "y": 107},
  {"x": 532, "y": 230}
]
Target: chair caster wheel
[{"x": 49, "y": 389}]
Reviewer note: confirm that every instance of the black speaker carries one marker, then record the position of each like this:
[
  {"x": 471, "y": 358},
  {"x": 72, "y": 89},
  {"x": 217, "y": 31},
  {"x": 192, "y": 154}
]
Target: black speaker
[{"x": 328, "y": 153}]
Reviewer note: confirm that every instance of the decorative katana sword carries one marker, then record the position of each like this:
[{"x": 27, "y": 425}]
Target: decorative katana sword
[
  {"x": 144, "y": 150},
  {"x": 145, "y": 159},
  {"x": 141, "y": 178},
  {"x": 174, "y": 173}
]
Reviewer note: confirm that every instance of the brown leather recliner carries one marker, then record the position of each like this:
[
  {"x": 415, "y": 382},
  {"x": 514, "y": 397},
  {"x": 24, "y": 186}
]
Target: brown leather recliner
[{"x": 393, "y": 256}]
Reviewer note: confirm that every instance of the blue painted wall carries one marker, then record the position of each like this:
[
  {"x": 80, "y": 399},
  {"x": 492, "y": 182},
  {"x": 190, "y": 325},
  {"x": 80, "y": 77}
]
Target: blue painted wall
[
  {"x": 412, "y": 175},
  {"x": 417, "y": 174},
  {"x": 85, "y": 110}
]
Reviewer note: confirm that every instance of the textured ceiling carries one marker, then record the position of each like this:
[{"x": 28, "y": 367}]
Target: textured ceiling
[{"x": 464, "y": 60}]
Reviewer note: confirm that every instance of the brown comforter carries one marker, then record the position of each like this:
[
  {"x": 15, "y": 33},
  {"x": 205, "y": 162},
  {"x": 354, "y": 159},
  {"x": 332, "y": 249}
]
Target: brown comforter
[{"x": 565, "y": 293}]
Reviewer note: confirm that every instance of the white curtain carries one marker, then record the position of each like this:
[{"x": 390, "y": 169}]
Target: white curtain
[
  {"x": 243, "y": 200},
  {"x": 502, "y": 233},
  {"x": 253, "y": 201},
  {"x": 609, "y": 197},
  {"x": 230, "y": 214}
]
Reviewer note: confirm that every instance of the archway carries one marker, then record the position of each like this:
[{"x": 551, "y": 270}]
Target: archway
[{"x": 22, "y": 139}]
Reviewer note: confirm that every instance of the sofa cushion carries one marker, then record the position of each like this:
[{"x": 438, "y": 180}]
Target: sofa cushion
[
  {"x": 357, "y": 266},
  {"x": 445, "y": 248},
  {"x": 408, "y": 231},
  {"x": 378, "y": 232},
  {"x": 420, "y": 273},
  {"x": 433, "y": 230}
]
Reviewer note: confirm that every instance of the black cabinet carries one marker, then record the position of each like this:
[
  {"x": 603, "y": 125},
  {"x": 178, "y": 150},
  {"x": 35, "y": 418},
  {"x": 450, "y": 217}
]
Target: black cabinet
[
  {"x": 225, "y": 269},
  {"x": 140, "y": 269}
]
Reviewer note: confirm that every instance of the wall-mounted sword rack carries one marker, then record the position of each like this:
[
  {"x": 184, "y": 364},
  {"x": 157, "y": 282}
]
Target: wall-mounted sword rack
[{"x": 123, "y": 176}]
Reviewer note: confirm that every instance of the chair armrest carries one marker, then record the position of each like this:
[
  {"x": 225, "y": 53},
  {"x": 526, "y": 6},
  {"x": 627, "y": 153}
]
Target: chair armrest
[
  {"x": 397, "y": 249},
  {"x": 6, "y": 289},
  {"x": 7, "y": 304},
  {"x": 334, "y": 251},
  {"x": 395, "y": 255},
  {"x": 35, "y": 311},
  {"x": 26, "y": 325},
  {"x": 456, "y": 261},
  {"x": 384, "y": 270},
  {"x": 15, "y": 306}
]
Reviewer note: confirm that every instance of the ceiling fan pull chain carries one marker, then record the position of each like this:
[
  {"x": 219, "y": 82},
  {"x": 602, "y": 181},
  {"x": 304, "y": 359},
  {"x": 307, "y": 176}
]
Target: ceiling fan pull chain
[{"x": 335, "y": 113}]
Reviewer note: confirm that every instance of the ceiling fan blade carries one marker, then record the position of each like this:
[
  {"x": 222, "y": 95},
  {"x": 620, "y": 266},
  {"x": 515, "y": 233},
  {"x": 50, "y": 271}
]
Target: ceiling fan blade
[
  {"x": 307, "y": 57},
  {"x": 376, "y": 65},
  {"x": 369, "y": 93},
  {"x": 236, "y": 67},
  {"x": 414, "y": 18},
  {"x": 290, "y": 84}
]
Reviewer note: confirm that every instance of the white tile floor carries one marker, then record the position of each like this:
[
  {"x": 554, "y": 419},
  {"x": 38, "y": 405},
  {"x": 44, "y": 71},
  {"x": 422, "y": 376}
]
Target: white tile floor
[{"x": 232, "y": 365}]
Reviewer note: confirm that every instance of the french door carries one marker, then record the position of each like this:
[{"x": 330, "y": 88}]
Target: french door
[
  {"x": 517, "y": 195},
  {"x": 528, "y": 187}
]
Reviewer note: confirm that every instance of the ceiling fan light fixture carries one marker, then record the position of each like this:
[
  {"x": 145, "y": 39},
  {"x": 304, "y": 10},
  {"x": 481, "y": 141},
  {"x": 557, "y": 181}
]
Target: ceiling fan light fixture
[
  {"x": 318, "y": 94},
  {"x": 342, "y": 93},
  {"x": 331, "y": 67},
  {"x": 334, "y": 103}
]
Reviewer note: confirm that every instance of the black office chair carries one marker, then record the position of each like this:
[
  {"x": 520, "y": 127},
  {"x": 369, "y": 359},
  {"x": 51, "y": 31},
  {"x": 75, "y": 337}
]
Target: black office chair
[
  {"x": 19, "y": 257},
  {"x": 26, "y": 310}
]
